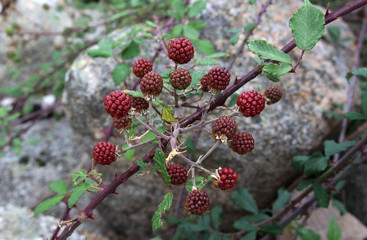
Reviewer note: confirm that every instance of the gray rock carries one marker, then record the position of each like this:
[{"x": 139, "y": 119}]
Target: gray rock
[{"x": 295, "y": 126}]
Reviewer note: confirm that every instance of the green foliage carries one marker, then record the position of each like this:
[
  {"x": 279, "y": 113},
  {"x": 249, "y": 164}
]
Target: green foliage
[
  {"x": 307, "y": 234},
  {"x": 243, "y": 224},
  {"x": 322, "y": 197},
  {"x": 217, "y": 216},
  {"x": 304, "y": 183},
  {"x": 164, "y": 206},
  {"x": 49, "y": 202},
  {"x": 331, "y": 147},
  {"x": 333, "y": 232},
  {"x": 120, "y": 72},
  {"x": 250, "y": 235},
  {"x": 141, "y": 164},
  {"x": 249, "y": 27},
  {"x": 189, "y": 145},
  {"x": 282, "y": 200},
  {"x": 134, "y": 93},
  {"x": 104, "y": 49},
  {"x": 197, "y": 8},
  {"x": 316, "y": 164},
  {"x": 199, "y": 181},
  {"x": 242, "y": 198},
  {"x": 360, "y": 72},
  {"x": 167, "y": 114},
  {"x": 130, "y": 50},
  {"x": 204, "y": 46},
  {"x": 159, "y": 160},
  {"x": 129, "y": 154},
  {"x": 354, "y": 116},
  {"x": 59, "y": 187},
  {"x": 340, "y": 206},
  {"x": 277, "y": 70},
  {"x": 272, "y": 228},
  {"x": 267, "y": 51}
]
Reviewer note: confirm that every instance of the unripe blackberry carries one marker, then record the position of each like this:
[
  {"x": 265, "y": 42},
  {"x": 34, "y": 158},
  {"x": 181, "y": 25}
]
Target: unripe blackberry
[
  {"x": 122, "y": 123},
  {"x": 117, "y": 104},
  {"x": 180, "y": 50},
  {"x": 224, "y": 125},
  {"x": 204, "y": 83},
  {"x": 251, "y": 103},
  {"x": 227, "y": 178},
  {"x": 104, "y": 153},
  {"x": 218, "y": 78},
  {"x": 242, "y": 143},
  {"x": 151, "y": 84},
  {"x": 273, "y": 94},
  {"x": 180, "y": 79},
  {"x": 139, "y": 104},
  {"x": 178, "y": 173},
  {"x": 197, "y": 202},
  {"x": 141, "y": 67}
]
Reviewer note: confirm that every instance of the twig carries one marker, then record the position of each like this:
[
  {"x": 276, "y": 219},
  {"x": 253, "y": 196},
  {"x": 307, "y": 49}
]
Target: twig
[{"x": 152, "y": 129}]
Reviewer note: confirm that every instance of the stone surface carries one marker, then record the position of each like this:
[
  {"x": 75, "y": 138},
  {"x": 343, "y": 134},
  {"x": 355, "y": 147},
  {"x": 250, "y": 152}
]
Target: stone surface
[{"x": 294, "y": 126}]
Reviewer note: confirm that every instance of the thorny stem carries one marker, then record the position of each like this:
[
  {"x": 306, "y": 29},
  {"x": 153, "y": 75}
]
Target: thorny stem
[
  {"x": 136, "y": 145},
  {"x": 151, "y": 129},
  {"x": 298, "y": 61},
  {"x": 201, "y": 159}
]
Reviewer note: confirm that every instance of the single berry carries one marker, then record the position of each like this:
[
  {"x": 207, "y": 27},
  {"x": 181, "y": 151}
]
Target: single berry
[
  {"x": 141, "y": 67},
  {"x": 178, "y": 173},
  {"x": 251, "y": 103},
  {"x": 204, "y": 83},
  {"x": 104, "y": 153},
  {"x": 117, "y": 104},
  {"x": 151, "y": 84},
  {"x": 197, "y": 202},
  {"x": 180, "y": 79},
  {"x": 273, "y": 94},
  {"x": 139, "y": 104},
  {"x": 242, "y": 143},
  {"x": 219, "y": 78},
  {"x": 121, "y": 123},
  {"x": 180, "y": 50},
  {"x": 227, "y": 178},
  {"x": 224, "y": 125}
]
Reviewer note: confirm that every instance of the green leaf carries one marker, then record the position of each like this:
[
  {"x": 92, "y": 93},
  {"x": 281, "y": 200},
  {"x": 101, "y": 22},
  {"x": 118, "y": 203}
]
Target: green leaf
[
  {"x": 190, "y": 32},
  {"x": 242, "y": 198},
  {"x": 256, "y": 218},
  {"x": 360, "y": 72},
  {"x": 206, "y": 62},
  {"x": 75, "y": 194},
  {"x": 150, "y": 24},
  {"x": 34, "y": 141},
  {"x": 243, "y": 224},
  {"x": 119, "y": 15},
  {"x": 197, "y": 8},
  {"x": 204, "y": 46},
  {"x": 217, "y": 216},
  {"x": 334, "y": 33},
  {"x": 363, "y": 86},
  {"x": 3, "y": 111},
  {"x": 307, "y": 234},
  {"x": 234, "y": 39},
  {"x": 276, "y": 70},
  {"x": 273, "y": 228},
  {"x": 78, "y": 176},
  {"x": 249, "y": 26},
  {"x": 141, "y": 164},
  {"x": 215, "y": 236},
  {"x": 334, "y": 115},
  {"x": 354, "y": 116},
  {"x": 175, "y": 32},
  {"x": 104, "y": 49},
  {"x": 130, "y": 50},
  {"x": 272, "y": 77},
  {"x": 340, "y": 185},
  {"x": 333, "y": 232},
  {"x": 252, "y": 1},
  {"x": 308, "y": 26},
  {"x": 179, "y": 8},
  {"x": 164, "y": 206},
  {"x": 339, "y": 205},
  {"x": 266, "y": 51},
  {"x": 322, "y": 197},
  {"x": 190, "y": 145},
  {"x": 304, "y": 183},
  {"x": 45, "y": 205},
  {"x": 282, "y": 200},
  {"x": 250, "y": 235},
  {"x": 233, "y": 100},
  {"x": 200, "y": 183},
  {"x": 298, "y": 162},
  {"x": 167, "y": 114},
  {"x": 134, "y": 93},
  {"x": 120, "y": 72},
  {"x": 218, "y": 55},
  {"x": 331, "y": 147},
  {"x": 59, "y": 187},
  {"x": 159, "y": 160},
  {"x": 198, "y": 25},
  {"x": 149, "y": 136},
  {"x": 316, "y": 164},
  {"x": 129, "y": 154}
]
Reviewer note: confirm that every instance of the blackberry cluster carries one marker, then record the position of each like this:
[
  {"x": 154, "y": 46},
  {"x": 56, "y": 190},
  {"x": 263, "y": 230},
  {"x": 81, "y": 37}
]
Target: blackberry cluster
[
  {"x": 224, "y": 125},
  {"x": 117, "y": 104},
  {"x": 251, "y": 103},
  {"x": 197, "y": 202},
  {"x": 104, "y": 153},
  {"x": 204, "y": 83},
  {"x": 151, "y": 84},
  {"x": 180, "y": 50},
  {"x": 178, "y": 173},
  {"x": 228, "y": 178},
  {"x": 180, "y": 79},
  {"x": 139, "y": 104},
  {"x": 273, "y": 94},
  {"x": 242, "y": 143},
  {"x": 219, "y": 78},
  {"x": 121, "y": 123},
  {"x": 141, "y": 67}
]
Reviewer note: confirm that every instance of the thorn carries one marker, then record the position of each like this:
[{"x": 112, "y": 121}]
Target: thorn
[
  {"x": 91, "y": 217},
  {"x": 327, "y": 10},
  {"x": 114, "y": 192},
  {"x": 236, "y": 80},
  {"x": 115, "y": 173}
]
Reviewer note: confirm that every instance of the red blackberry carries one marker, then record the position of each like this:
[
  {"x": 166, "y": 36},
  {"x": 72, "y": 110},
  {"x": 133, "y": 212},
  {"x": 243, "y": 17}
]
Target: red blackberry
[
  {"x": 273, "y": 94},
  {"x": 141, "y": 67},
  {"x": 121, "y": 123},
  {"x": 197, "y": 202},
  {"x": 104, "y": 153},
  {"x": 251, "y": 103},
  {"x": 224, "y": 125},
  {"x": 151, "y": 84},
  {"x": 219, "y": 78},
  {"x": 242, "y": 143},
  {"x": 228, "y": 178},
  {"x": 139, "y": 104},
  {"x": 180, "y": 50},
  {"x": 204, "y": 83},
  {"x": 117, "y": 104},
  {"x": 180, "y": 79},
  {"x": 178, "y": 173}
]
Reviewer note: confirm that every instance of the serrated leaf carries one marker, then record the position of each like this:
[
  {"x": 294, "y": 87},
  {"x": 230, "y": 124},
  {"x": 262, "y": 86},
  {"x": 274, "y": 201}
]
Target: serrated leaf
[
  {"x": 159, "y": 160},
  {"x": 217, "y": 216},
  {"x": 190, "y": 32},
  {"x": 339, "y": 205},
  {"x": 234, "y": 39},
  {"x": 75, "y": 195},
  {"x": 331, "y": 147},
  {"x": 130, "y": 50},
  {"x": 200, "y": 183},
  {"x": 243, "y": 224},
  {"x": 316, "y": 164},
  {"x": 206, "y": 62},
  {"x": 250, "y": 235},
  {"x": 256, "y": 218},
  {"x": 197, "y": 8},
  {"x": 120, "y": 72},
  {"x": 149, "y": 136},
  {"x": 59, "y": 187},
  {"x": 45, "y": 205},
  {"x": 304, "y": 183},
  {"x": 322, "y": 197},
  {"x": 34, "y": 141},
  {"x": 354, "y": 116},
  {"x": 189, "y": 145},
  {"x": 272, "y": 78},
  {"x": 249, "y": 26},
  {"x": 282, "y": 200},
  {"x": 167, "y": 114},
  {"x": 141, "y": 164},
  {"x": 129, "y": 154},
  {"x": 134, "y": 93},
  {"x": 164, "y": 206},
  {"x": 150, "y": 24},
  {"x": 215, "y": 236},
  {"x": 104, "y": 49},
  {"x": 273, "y": 228},
  {"x": 175, "y": 32},
  {"x": 276, "y": 70},
  {"x": 78, "y": 176},
  {"x": 204, "y": 46},
  {"x": 233, "y": 100},
  {"x": 360, "y": 72},
  {"x": 242, "y": 198},
  {"x": 307, "y": 234},
  {"x": 267, "y": 51},
  {"x": 179, "y": 8},
  {"x": 298, "y": 162},
  {"x": 308, "y": 26},
  {"x": 218, "y": 55},
  {"x": 333, "y": 232},
  {"x": 198, "y": 25}
]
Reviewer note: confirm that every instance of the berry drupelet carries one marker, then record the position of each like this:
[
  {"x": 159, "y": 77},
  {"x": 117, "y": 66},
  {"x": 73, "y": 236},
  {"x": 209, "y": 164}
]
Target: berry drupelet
[
  {"x": 178, "y": 173},
  {"x": 224, "y": 125},
  {"x": 251, "y": 103},
  {"x": 242, "y": 143},
  {"x": 197, "y": 202},
  {"x": 151, "y": 84},
  {"x": 141, "y": 67},
  {"x": 218, "y": 78},
  {"x": 180, "y": 50},
  {"x": 117, "y": 104},
  {"x": 180, "y": 79},
  {"x": 273, "y": 94},
  {"x": 121, "y": 123},
  {"x": 227, "y": 178},
  {"x": 104, "y": 153},
  {"x": 139, "y": 104}
]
